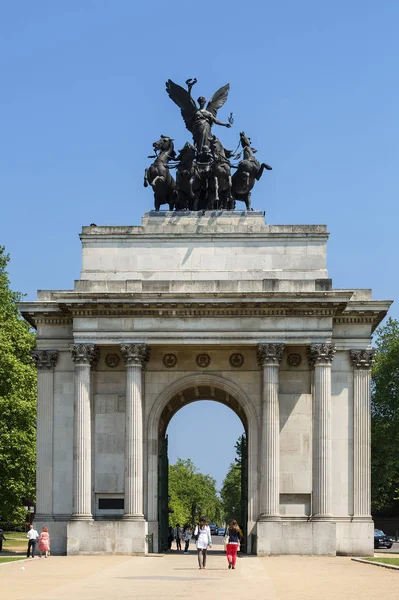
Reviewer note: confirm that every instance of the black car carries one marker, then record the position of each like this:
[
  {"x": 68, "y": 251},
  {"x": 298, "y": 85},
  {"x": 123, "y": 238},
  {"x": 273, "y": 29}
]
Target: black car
[
  {"x": 381, "y": 540},
  {"x": 214, "y": 528}
]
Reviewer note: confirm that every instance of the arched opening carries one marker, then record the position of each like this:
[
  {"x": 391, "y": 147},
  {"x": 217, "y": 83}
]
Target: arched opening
[{"x": 178, "y": 400}]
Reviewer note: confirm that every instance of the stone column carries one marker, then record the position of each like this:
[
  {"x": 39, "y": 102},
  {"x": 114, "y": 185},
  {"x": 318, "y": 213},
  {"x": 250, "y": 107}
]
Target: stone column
[
  {"x": 84, "y": 356},
  {"x": 362, "y": 361},
  {"x": 269, "y": 357},
  {"x": 135, "y": 356},
  {"x": 320, "y": 357},
  {"x": 45, "y": 361}
]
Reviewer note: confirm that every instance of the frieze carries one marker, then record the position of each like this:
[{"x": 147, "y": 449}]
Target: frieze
[
  {"x": 44, "y": 359},
  {"x": 362, "y": 359},
  {"x": 85, "y": 354},
  {"x": 169, "y": 361},
  {"x": 236, "y": 360},
  {"x": 135, "y": 354},
  {"x": 270, "y": 354},
  {"x": 321, "y": 354},
  {"x": 203, "y": 360}
]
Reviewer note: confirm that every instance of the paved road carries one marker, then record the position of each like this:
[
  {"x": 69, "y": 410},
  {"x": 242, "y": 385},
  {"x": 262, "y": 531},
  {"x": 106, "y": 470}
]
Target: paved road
[
  {"x": 394, "y": 549},
  {"x": 176, "y": 576}
]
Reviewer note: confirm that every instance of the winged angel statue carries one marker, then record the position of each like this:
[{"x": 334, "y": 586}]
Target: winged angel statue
[
  {"x": 199, "y": 121},
  {"x": 203, "y": 171}
]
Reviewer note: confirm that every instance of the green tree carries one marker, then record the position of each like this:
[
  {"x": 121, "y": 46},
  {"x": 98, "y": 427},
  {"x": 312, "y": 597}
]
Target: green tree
[
  {"x": 187, "y": 488},
  {"x": 231, "y": 488},
  {"x": 385, "y": 421},
  {"x": 17, "y": 403}
]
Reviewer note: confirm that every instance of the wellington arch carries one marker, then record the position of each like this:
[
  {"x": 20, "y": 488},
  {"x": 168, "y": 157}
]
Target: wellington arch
[{"x": 210, "y": 305}]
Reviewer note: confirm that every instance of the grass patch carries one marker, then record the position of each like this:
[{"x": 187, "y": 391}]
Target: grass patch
[
  {"x": 4, "y": 559},
  {"x": 15, "y": 540},
  {"x": 385, "y": 560}
]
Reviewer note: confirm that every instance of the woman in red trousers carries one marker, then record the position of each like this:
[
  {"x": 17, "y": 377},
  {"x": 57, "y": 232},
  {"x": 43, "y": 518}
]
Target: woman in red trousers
[{"x": 233, "y": 538}]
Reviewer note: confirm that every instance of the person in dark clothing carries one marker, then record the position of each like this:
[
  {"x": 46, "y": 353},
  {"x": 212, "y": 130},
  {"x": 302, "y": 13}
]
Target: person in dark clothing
[
  {"x": 234, "y": 537},
  {"x": 170, "y": 537},
  {"x": 1, "y": 539}
]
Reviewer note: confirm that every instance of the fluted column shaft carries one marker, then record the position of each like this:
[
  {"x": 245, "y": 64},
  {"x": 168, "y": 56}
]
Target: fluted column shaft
[
  {"x": 362, "y": 362},
  {"x": 45, "y": 361},
  {"x": 269, "y": 356},
  {"x": 321, "y": 356},
  {"x": 84, "y": 356},
  {"x": 135, "y": 356}
]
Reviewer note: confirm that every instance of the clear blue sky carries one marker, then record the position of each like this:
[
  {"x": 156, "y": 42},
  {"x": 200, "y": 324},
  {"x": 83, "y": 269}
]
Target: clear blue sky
[{"x": 315, "y": 84}]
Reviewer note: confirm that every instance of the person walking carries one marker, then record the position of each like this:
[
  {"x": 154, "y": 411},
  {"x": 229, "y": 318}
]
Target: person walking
[
  {"x": 170, "y": 537},
  {"x": 233, "y": 538},
  {"x": 44, "y": 542},
  {"x": 32, "y": 536},
  {"x": 177, "y": 533},
  {"x": 187, "y": 533},
  {"x": 2, "y": 538},
  {"x": 202, "y": 535}
]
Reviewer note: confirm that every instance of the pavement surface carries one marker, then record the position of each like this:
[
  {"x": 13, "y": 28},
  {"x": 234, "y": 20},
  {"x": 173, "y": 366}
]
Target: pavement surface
[{"x": 176, "y": 575}]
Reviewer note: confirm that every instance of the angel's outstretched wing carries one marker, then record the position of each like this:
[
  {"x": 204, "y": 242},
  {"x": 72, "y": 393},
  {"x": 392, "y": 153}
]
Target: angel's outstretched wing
[
  {"x": 218, "y": 99},
  {"x": 184, "y": 101}
]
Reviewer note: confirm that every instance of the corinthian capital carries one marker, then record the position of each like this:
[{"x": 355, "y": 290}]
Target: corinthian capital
[
  {"x": 44, "y": 359},
  {"x": 270, "y": 354},
  {"x": 321, "y": 354},
  {"x": 84, "y": 354},
  {"x": 362, "y": 359},
  {"x": 135, "y": 354}
]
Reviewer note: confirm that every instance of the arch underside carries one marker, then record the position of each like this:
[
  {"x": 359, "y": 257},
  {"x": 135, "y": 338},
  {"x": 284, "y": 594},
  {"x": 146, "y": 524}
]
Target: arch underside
[{"x": 195, "y": 393}]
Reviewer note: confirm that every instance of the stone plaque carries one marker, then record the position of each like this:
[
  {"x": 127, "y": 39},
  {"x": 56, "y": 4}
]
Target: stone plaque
[
  {"x": 203, "y": 360},
  {"x": 169, "y": 360}
]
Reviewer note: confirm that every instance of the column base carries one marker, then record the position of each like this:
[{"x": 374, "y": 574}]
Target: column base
[
  {"x": 78, "y": 517},
  {"x": 269, "y": 518},
  {"x": 362, "y": 519},
  {"x": 133, "y": 517},
  {"x": 322, "y": 518}
]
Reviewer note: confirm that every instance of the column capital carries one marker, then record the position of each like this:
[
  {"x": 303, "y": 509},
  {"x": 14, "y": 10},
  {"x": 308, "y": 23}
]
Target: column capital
[
  {"x": 321, "y": 354},
  {"x": 135, "y": 355},
  {"x": 270, "y": 354},
  {"x": 84, "y": 354},
  {"x": 44, "y": 359},
  {"x": 362, "y": 359}
]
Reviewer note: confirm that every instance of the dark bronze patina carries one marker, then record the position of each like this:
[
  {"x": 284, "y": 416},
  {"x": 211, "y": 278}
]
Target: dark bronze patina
[{"x": 203, "y": 170}]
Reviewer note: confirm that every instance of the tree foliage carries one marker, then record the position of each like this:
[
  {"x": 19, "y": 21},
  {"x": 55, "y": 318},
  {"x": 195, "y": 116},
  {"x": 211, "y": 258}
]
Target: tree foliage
[
  {"x": 231, "y": 488},
  {"x": 17, "y": 403},
  {"x": 385, "y": 421},
  {"x": 189, "y": 488}
]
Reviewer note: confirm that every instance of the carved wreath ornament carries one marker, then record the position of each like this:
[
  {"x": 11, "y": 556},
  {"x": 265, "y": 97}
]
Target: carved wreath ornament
[
  {"x": 112, "y": 360},
  {"x": 236, "y": 360},
  {"x": 203, "y": 360},
  {"x": 169, "y": 361}
]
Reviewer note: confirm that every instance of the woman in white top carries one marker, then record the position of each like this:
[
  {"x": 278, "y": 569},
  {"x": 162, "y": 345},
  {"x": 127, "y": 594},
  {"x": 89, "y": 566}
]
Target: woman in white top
[{"x": 202, "y": 535}]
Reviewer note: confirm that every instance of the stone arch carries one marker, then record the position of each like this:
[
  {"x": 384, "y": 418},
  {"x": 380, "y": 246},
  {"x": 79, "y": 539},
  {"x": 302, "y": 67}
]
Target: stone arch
[{"x": 192, "y": 388}]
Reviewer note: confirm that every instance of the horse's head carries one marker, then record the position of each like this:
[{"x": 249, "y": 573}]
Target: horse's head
[
  {"x": 165, "y": 144},
  {"x": 245, "y": 140},
  {"x": 187, "y": 153}
]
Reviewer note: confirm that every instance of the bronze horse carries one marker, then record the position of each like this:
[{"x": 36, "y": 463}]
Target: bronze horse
[
  {"x": 248, "y": 170},
  {"x": 188, "y": 179},
  {"x": 158, "y": 174},
  {"x": 220, "y": 181}
]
